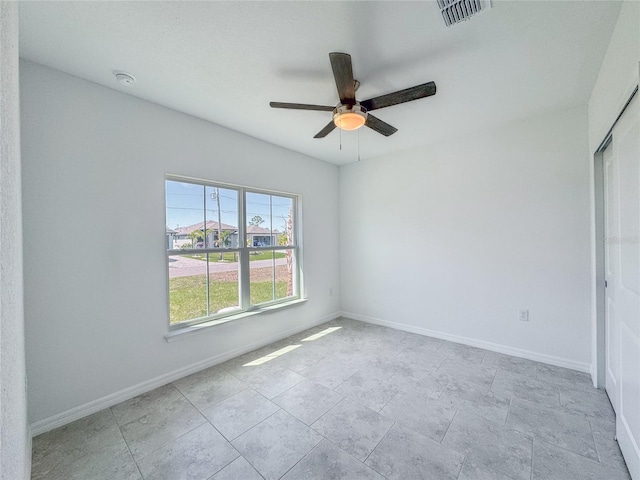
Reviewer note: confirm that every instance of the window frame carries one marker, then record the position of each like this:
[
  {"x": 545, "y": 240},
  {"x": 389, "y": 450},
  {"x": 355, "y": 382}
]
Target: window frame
[{"x": 244, "y": 261}]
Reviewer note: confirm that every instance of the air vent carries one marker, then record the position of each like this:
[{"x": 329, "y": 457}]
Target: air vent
[{"x": 456, "y": 11}]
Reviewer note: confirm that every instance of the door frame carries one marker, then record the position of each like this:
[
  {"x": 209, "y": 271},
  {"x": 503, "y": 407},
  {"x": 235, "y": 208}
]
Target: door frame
[{"x": 598, "y": 173}]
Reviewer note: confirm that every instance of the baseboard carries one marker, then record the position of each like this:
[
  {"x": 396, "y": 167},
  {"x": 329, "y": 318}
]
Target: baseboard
[
  {"x": 81, "y": 411},
  {"x": 494, "y": 347}
]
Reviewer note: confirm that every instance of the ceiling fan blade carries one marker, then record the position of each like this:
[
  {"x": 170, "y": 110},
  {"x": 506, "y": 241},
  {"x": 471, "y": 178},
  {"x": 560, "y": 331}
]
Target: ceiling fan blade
[
  {"x": 301, "y": 106},
  {"x": 374, "y": 123},
  {"x": 343, "y": 73},
  {"x": 401, "y": 96},
  {"x": 326, "y": 130}
]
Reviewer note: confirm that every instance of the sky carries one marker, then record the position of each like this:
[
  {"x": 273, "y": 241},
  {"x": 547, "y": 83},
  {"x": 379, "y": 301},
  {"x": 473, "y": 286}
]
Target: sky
[{"x": 189, "y": 203}]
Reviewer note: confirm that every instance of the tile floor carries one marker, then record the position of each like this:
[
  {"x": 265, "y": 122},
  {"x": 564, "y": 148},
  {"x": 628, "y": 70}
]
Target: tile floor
[{"x": 349, "y": 400}]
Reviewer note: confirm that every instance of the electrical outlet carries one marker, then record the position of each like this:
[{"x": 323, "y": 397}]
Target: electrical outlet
[{"x": 523, "y": 315}]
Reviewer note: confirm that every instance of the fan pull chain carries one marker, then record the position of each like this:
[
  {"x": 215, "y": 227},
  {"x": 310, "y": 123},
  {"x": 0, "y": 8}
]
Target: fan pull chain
[
  {"x": 358, "y": 144},
  {"x": 340, "y": 139}
]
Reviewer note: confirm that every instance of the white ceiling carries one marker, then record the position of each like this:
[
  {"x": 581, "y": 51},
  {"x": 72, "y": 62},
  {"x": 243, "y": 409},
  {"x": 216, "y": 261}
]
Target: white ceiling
[{"x": 224, "y": 62}]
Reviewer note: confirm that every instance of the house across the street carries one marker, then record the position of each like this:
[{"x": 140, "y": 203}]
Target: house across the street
[{"x": 193, "y": 236}]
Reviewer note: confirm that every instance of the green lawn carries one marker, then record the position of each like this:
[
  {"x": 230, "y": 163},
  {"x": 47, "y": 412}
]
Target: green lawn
[
  {"x": 188, "y": 296},
  {"x": 233, "y": 256}
]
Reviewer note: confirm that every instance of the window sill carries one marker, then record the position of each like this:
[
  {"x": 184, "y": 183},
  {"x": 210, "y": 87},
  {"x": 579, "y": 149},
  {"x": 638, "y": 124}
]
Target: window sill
[{"x": 184, "y": 332}]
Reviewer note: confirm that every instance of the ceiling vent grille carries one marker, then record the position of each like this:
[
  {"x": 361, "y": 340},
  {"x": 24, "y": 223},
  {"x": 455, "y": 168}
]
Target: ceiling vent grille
[{"x": 456, "y": 11}]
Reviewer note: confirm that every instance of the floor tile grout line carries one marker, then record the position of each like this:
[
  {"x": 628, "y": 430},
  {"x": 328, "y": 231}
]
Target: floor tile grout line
[
  {"x": 170, "y": 441},
  {"x": 303, "y": 457},
  {"x": 483, "y": 355},
  {"x": 280, "y": 409},
  {"x": 381, "y": 440},
  {"x": 252, "y": 466},
  {"x": 464, "y": 460},
  {"x": 197, "y": 409},
  {"x": 354, "y": 457},
  {"x": 595, "y": 445},
  {"x": 506, "y": 418},
  {"x": 135, "y": 462},
  {"x": 229, "y": 463},
  {"x": 388, "y": 401},
  {"x": 449, "y": 426},
  {"x": 340, "y": 384},
  {"x": 494, "y": 377},
  {"x": 574, "y": 453},
  {"x": 533, "y": 452},
  {"x": 291, "y": 387},
  {"x": 216, "y": 428},
  {"x": 146, "y": 412},
  {"x": 325, "y": 413}
]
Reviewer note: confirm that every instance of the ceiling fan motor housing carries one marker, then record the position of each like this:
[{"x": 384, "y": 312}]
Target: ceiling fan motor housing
[{"x": 349, "y": 117}]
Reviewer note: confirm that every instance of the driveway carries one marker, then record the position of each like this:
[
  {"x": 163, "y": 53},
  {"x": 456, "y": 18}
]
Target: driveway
[{"x": 180, "y": 266}]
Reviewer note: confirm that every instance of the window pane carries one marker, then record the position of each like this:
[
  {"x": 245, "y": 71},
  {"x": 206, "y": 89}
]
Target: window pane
[
  {"x": 286, "y": 282},
  {"x": 187, "y": 288},
  {"x": 224, "y": 288},
  {"x": 282, "y": 215},
  {"x": 221, "y": 218},
  {"x": 258, "y": 221},
  {"x": 185, "y": 215},
  {"x": 261, "y": 276},
  {"x": 270, "y": 275}
]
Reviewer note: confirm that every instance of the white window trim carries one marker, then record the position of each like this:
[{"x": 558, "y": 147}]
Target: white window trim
[
  {"x": 203, "y": 323},
  {"x": 202, "y": 327}
]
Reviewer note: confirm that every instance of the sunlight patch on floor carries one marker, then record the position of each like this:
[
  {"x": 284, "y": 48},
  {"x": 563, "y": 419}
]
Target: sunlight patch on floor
[
  {"x": 318, "y": 335},
  {"x": 271, "y": 356}
]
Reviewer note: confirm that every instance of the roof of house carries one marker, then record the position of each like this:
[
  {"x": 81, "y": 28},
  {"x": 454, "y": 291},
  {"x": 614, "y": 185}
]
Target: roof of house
[{"x": 210, "y": 225}]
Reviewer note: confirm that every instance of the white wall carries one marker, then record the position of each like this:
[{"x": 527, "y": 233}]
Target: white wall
[
  {"x": 94, "y": 162},
  {"x": 15, "y": 439},
  {"x": 453, "y": 239}
]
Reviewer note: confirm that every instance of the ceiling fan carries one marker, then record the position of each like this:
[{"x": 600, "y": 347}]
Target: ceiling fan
[{"x": 350, "y": 114}]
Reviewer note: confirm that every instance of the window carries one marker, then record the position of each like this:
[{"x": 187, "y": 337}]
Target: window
[{"x": 230, "y": 249}]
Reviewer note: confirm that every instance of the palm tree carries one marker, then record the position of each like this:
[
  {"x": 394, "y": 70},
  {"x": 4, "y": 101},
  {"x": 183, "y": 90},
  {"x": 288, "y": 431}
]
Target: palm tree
[
  {"x": 225, "y": 238},
  {"x": 256, "y": 220},
  {"x": 198, "y": 235}
]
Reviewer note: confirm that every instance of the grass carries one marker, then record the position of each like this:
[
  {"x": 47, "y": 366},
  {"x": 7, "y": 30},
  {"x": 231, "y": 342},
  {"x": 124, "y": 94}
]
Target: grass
[
  {"x": 233, "y": 256},
  {"x": 263, "y": 291},
  {"x": 188, "y": 296}
]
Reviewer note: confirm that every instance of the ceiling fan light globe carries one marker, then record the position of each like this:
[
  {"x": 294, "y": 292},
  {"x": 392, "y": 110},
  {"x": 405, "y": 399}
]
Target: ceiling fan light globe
[
  {"x": 349, "y": 117},
  {"x": 349, "y": 121}
]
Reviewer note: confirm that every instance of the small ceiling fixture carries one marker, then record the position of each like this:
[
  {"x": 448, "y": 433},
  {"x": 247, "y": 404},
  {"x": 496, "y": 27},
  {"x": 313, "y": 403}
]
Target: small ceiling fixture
[
  {"x": 124, "y": 78},
  {"x": 349, "y": 117}
]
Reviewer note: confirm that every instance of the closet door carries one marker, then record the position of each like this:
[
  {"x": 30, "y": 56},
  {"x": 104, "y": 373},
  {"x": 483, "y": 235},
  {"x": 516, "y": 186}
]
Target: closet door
[{"x": 622, "y": 264}]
